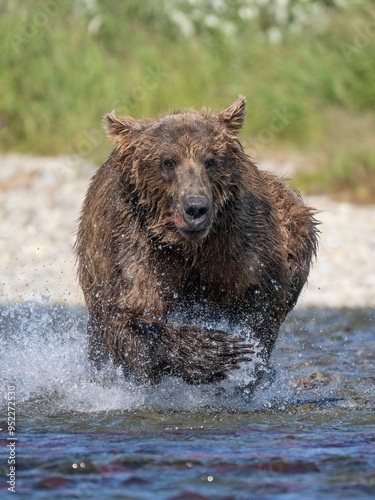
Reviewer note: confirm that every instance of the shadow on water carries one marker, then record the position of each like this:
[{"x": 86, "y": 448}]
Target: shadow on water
[{"x": 311, "y": 432}]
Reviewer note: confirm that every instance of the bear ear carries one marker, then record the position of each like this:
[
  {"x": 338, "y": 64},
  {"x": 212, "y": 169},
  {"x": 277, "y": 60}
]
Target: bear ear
[
  {"x": 234, "y": 116},
  {"x": 119, "y": 128}
]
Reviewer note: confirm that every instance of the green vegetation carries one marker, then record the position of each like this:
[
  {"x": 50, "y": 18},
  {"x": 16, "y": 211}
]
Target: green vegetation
[{"x": 307, "y": 69}]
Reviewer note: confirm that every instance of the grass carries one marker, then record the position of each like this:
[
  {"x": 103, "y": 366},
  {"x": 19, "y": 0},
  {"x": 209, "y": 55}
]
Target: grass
[
  {"x": 345, "y": 163},
  {"x": 64, "y": 64}
]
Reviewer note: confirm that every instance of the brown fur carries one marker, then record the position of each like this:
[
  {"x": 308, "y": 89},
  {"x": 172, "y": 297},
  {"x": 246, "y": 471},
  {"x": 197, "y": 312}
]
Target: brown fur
[{"x": 179, "y": 215}]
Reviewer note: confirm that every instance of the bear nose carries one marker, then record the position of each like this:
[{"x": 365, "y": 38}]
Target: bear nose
[{"x": 195, "y": 210}]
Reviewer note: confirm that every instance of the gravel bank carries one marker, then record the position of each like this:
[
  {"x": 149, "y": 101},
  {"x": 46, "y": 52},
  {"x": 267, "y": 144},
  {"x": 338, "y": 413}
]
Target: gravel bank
[{"x": 40, "y": 200}]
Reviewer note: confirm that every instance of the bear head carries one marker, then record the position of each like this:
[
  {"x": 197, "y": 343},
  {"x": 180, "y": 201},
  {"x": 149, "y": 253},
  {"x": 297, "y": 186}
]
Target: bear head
[{"x": 182, "y": 169}]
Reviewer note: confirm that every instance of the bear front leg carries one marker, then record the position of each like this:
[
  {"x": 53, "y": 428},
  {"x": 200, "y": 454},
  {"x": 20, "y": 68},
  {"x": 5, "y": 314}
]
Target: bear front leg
[{"x": 148, "y": 350}]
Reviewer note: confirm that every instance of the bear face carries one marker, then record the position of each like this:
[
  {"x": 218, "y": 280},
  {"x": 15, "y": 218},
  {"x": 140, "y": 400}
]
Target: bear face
[{"x": 185, "y": 168}]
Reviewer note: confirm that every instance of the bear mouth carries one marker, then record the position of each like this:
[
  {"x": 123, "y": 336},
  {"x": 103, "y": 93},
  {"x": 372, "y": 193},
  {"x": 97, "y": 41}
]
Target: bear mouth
[{"x": 191, "y": 232}]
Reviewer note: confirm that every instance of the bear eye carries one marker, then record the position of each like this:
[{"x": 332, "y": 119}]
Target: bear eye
[
  {"x": 210, "y": 163},
  {"x": 169, "y": 164}
]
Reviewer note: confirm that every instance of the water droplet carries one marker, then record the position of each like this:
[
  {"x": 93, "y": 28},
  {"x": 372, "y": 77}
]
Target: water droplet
[{"x": 46, "y": 298}]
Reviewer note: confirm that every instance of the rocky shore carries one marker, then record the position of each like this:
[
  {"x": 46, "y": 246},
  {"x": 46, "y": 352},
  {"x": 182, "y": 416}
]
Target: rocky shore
[{"x": 40, "y": 200}]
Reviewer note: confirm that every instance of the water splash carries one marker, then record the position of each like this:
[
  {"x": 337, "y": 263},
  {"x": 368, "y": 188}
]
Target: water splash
[{"x": 44, "y": 354}]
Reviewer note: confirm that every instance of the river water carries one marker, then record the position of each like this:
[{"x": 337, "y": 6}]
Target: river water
[{"x": 310, "y": 434}]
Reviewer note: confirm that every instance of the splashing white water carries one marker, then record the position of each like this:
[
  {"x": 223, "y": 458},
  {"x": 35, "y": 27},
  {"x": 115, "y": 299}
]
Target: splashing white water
[{"x": 44, "y": 355}]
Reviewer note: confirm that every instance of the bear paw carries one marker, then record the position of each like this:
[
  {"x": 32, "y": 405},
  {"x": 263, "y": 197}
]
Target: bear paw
[{"x": 205, "y": 356}]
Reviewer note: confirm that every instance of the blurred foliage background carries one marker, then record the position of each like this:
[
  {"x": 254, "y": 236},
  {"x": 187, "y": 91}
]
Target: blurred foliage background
[{"x": 306, "y": 67}]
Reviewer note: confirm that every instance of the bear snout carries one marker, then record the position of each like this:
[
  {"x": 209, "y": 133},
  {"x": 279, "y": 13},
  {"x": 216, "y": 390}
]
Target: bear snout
[{"x": 196, "y": 211}]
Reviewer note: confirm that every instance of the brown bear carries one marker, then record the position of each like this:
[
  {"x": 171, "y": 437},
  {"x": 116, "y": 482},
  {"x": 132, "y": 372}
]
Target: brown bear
[{"x": 180, "y": 218}]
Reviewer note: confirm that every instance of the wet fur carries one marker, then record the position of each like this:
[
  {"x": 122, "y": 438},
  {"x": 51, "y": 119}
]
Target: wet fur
[{"x": 135, "y": 267}]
